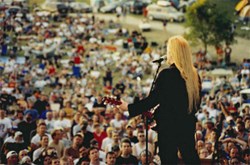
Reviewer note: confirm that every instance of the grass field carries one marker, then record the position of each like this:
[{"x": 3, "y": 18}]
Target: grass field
[{"x": 160, "y": 37}]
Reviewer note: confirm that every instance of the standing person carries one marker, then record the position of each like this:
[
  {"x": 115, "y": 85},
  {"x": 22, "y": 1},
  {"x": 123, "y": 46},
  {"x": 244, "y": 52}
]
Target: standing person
[
  {"x": 57, "y": 142},
  {"x": 99, "y": 134},
  {"x": 219, "y": 52},
  {"x": 141, "y": 145},
  {"x": 5, "y": 126},
  {"x": 177, "y": 90},
  {"x": 35, "y": 140},
  {"x": 94, "y": 158},
  {"x": 126, "y": 156},
  {"x": 118, "y": 12},
  {"x": 44, "y": 143},
  {"x": 73, "y": 151},
  {"x": 110, "y": 158},
  {"x": 142, "y": 158},
  {"x": 145, "y": 12},
  {"x": 108, "y": 139},
  {"x": 26, "y": 127},
  {"x": 12, "y": 158},
  {"x": 227, "y": 51},
  {"x": 164, "y": 23}
]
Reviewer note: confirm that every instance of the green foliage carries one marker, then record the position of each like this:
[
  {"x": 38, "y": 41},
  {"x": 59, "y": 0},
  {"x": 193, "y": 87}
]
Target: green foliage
[{"x": 208, "y": 23}]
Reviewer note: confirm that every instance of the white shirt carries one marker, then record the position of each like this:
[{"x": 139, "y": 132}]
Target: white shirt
[
  {"x": 105, "y": 142},
  {"x": 76, "y": 129},
  {"x": 9, "y": 139},
  {"x": 5, "y": 124},
  {"x": 37, "y": 153},
  {"x": 213, "y": 113},
  {"x": 102, "y": 155},
  {"x": 117, "y": 124},
  {"x": 108, "y": 147},
  {"x": 65, "y": 123},
  {"x": 245, "y": 71},
  {"x": 49, "y": 125},
  {"x": 235, "y": 99},
  {"x": 137, "y": 149},
  {"x": 201, "y": 116},
  {"x": 100, "y": 163},
  {"x": 37, "y": 138}
]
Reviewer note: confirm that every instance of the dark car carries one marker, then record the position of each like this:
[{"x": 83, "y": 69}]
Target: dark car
[
  {"x": 13, "y": 10},
  {"x": 136, "y": 6},
  {"x": 63, "y": 10}
]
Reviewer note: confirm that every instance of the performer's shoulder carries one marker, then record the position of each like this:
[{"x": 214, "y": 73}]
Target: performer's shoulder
[{"x": 168, "y": 70}]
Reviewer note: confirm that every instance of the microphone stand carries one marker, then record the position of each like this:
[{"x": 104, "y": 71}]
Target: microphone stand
[{"x": 146, "y": 117}]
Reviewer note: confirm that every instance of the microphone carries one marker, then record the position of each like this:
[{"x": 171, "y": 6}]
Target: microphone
[{"x": 160, "y": 59}]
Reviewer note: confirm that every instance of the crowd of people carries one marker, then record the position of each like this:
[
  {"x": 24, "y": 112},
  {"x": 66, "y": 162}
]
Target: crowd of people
[{"x": 51, "y": 102}]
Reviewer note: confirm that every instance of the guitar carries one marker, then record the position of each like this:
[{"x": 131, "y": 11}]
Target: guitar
[{"x": 113, "y": 101}]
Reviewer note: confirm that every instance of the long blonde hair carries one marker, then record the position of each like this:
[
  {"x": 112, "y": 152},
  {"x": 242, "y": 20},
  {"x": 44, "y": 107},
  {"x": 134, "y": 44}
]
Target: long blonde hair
[{"x": 180, "y": 53}]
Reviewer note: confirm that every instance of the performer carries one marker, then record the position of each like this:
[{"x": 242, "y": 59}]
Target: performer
[{"x": 177, "y": 90}]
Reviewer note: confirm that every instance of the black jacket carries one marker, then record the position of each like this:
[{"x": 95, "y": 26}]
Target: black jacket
[{"x": 172, "y": 117}]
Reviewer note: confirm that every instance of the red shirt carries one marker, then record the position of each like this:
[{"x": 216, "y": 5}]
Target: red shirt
[
  {"x": 80, "y": 49},
  {"x": 100, "y": 138},
  {"x": 77, "y": 60},
  {"x": 52, "y": 70}
]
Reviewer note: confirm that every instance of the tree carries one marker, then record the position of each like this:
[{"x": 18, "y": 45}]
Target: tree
[{"x": 209, "y": 24}]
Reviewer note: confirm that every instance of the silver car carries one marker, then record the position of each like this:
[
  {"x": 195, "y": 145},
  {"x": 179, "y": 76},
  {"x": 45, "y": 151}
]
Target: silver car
[
  {"x": 164, "y": 13},
  {"x": 80, "y": 7}
]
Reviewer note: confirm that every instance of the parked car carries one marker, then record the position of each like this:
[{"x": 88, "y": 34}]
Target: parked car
[
  {"x": 110, "y": 8},
  {"x": 180, "y": 5},
  {"x": 164, "y": 3},
  {"x": 164, "y": 13},
  {"x": 185, "y": 4},
  {"x": 136, "y": 6},
  {"x": 52, "y": 6},
  {"x": 80, "y": 7},
  {"x": 13, "y": 10},
  {"x": 63, "y": 9}
]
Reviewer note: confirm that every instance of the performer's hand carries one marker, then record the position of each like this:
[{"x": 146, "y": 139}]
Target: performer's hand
[{"x": 123, "y": 106}]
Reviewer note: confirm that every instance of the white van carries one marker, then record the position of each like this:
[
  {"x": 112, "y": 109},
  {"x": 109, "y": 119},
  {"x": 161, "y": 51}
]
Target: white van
[{"x": 164, "y": 13}]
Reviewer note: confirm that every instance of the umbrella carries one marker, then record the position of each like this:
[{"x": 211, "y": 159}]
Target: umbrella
[
  {"x": 241, "y": 5},
  {"x": 245, "y": 12}
]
